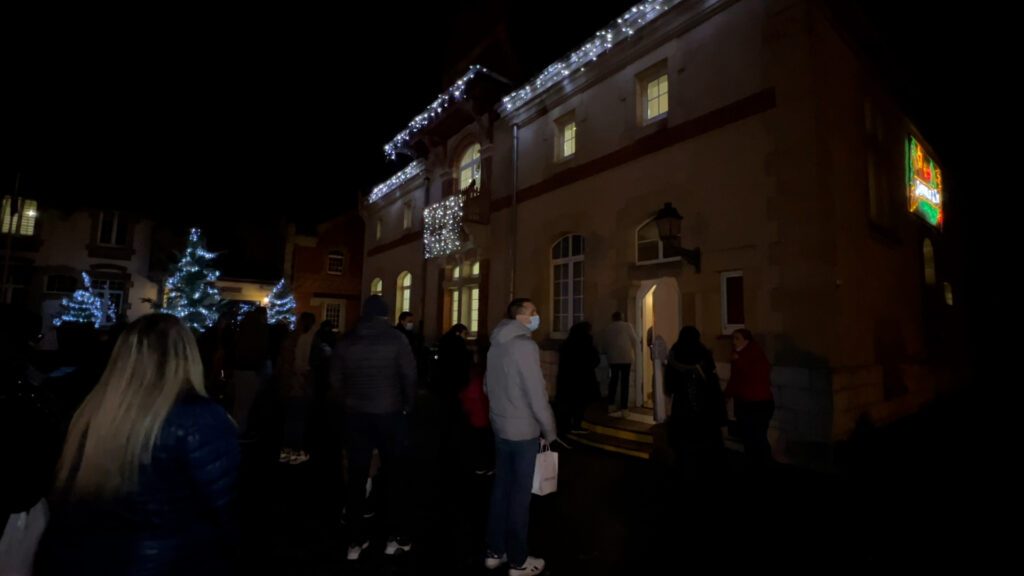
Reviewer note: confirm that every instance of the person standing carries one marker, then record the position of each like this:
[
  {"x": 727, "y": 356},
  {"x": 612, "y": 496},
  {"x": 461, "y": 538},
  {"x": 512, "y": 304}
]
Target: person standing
[
  {"x": 521, "y": 415},
  {"x": 620, "y": 347},
  {"x": 374, "y": 375}
]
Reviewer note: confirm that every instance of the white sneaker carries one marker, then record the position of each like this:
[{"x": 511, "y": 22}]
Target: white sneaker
[
  {"x": 356, "y": 549},
  {"x": 531, "y": 566},
  {"x": 395, "y": 546},
  {"x": 492, "y": 562}
]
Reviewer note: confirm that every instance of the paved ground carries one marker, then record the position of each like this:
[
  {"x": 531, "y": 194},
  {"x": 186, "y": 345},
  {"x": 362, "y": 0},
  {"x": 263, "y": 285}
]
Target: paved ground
[{"x": 901, "y": 493}]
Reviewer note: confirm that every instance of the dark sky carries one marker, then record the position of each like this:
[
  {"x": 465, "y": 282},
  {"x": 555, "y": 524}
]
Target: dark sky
[
  {"x": 174, "y": 110},
  {"x": 220, "y": 108}
]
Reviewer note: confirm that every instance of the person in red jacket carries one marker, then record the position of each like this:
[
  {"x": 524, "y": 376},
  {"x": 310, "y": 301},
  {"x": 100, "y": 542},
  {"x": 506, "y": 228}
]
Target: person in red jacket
[
  {"x": 750, "y": 386},
  {"x": 475, "y": 407}
]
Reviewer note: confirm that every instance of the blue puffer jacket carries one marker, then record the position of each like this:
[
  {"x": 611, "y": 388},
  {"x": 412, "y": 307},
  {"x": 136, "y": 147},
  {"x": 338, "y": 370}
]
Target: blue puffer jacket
[{"x": 178, "y": 521}]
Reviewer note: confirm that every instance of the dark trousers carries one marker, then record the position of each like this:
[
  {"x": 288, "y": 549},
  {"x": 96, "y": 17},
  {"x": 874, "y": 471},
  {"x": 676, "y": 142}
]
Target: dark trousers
[
  {"x": 295, "y": 420},
  {"x": 483, "y": 448},
  {"x": 388, "y": 433},
  {"x": 510, "y": 499},
  {"x": 752, "y": 419},
  {"x": 620, "y": 377}
]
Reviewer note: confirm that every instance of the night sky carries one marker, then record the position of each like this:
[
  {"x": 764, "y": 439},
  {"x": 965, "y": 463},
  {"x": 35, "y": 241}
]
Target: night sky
[
  {"x": 196, "y": 116},
  {"x": 176, "y": 110}
]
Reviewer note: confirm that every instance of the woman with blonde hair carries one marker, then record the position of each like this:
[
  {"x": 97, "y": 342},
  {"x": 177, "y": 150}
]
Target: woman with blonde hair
[{"x": 147, "y": 477}]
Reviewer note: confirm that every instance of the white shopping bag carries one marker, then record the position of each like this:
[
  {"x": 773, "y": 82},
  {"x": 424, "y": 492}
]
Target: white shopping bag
[
  {"x": 21, "y": 536},
  {"x": 545, "y": 473}
]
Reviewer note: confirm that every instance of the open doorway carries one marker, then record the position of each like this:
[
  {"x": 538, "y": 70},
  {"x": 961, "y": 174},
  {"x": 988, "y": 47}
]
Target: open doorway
[{"x": 658, "y": 311}]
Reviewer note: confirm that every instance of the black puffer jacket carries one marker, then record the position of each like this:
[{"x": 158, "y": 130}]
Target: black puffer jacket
[
  {"x": 373, "y": 370},
  {"x": 178, "y": 521}
]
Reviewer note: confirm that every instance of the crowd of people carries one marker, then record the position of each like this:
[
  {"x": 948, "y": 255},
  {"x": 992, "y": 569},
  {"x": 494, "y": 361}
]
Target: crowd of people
[{"x": 128, "y": 455}]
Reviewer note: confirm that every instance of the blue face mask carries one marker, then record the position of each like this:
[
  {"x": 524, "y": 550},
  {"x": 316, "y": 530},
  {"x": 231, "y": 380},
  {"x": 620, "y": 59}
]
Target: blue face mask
[{"x": 534, "y": 323}]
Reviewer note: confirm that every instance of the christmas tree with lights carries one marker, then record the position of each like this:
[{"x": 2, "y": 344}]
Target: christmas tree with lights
[
  {"x": 191, "y": 292},
  {"x": 281, "y": 306},
  {"x": 84, "y": 307}
]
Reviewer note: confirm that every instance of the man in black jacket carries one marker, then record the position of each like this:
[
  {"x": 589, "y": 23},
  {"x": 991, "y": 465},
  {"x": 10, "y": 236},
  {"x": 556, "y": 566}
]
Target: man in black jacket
[{"x": 374, "y": 374}]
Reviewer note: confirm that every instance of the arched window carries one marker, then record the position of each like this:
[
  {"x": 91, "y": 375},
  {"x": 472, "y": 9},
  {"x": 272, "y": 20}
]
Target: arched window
[
  {"x": 376, "y": 287},
  {"x": 649, "y": 247},
  {"x": 469, "y": 169},
  {"x": 403, "y": 296}
]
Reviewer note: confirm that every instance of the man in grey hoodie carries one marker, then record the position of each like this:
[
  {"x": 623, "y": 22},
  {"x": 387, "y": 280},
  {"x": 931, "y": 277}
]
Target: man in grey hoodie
[{"x": 520, "y": 416}]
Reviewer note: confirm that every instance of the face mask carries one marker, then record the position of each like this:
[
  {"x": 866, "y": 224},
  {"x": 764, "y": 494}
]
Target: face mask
[
  {"x": 409, "y": 326},
  {"x": 534, "y": 323}
]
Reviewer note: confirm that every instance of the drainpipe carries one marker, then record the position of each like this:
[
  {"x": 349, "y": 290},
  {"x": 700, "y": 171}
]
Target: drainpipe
[
  {"x": 423, "y": 272},
  {"x": 515, "y": 211}
]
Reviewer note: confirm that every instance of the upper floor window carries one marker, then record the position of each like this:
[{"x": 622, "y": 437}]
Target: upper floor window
[
  {"x": 653, "y": 88},
  {"x": 18, "y": 216},
  {"x": 335, "y": 262},
  {"x": 470, "y": 170},
  {"x": 566, "y": 126},
  {"x": 407, "y": 216},
  {"x": 376, "y": 287},
  {"x": 112, "y": 229}
]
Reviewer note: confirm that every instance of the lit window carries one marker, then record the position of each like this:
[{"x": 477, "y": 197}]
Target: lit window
[
  {"x": 456, "y": 272},
  {"x": 469, "y": 170},
  {"x": 19, "y": 215},
  {"x": 474, "y": 309},
  {"x": 403, "y": 299},
  {"x": 566, "y": 137},
  {"x": 475, "y": 270},
  {"x": 376, "y": 287},
  {"x": 407, "y": 217},
  {"x": 456, "y": 305},
  {"x": 657, "y": 97}
]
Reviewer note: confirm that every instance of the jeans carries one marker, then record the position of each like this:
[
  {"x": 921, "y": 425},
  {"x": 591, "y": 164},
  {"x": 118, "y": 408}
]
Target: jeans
[{"x": 510, "y": 499}]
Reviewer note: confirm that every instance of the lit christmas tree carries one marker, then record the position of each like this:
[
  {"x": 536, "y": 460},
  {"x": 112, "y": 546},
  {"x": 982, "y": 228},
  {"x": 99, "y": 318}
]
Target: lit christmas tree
[
  {"x": 281, "y": 306},
  {"x": 191, "y": 293},
  {"x": 84, "y": 307}
]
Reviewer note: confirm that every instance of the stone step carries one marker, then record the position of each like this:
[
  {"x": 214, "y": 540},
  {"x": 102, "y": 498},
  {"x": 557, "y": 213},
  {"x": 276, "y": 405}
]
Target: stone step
[{"x": 614, "y": 444}]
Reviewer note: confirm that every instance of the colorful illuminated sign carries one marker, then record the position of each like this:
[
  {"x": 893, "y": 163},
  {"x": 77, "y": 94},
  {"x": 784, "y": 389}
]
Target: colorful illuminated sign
[{"x": 924, "y": 184}]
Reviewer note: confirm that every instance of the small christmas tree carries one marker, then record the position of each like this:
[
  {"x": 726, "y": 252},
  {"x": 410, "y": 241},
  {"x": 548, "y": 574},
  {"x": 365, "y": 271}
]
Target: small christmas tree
[
  {"x": 281, "y": 306},
  {"x": 191, "y": 292},
  {"x": 84, "y": 307}
]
